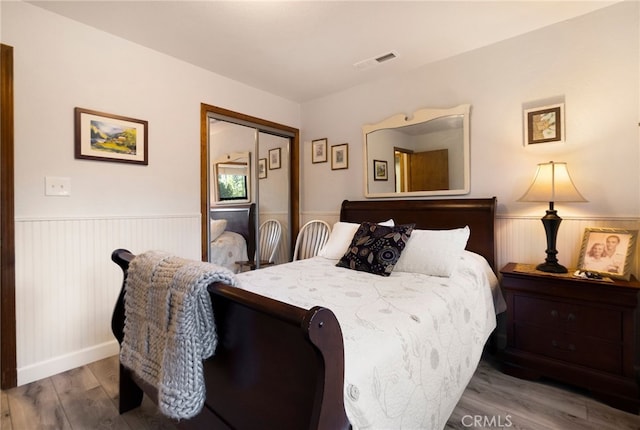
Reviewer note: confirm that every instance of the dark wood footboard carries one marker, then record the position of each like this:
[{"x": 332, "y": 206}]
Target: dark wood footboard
[{"x": 276, "y": 365}]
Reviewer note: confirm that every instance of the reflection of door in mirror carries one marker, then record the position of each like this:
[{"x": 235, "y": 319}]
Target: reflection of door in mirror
[
  {"x": 421, "y": 171},
  {"x": 429, "y": 150},
  {"x": 429, "y": 170},
  {"x": 401, "y": 163}
]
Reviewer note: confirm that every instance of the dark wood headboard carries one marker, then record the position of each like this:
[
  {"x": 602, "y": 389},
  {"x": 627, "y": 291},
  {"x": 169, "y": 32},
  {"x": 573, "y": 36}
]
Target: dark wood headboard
[
  {"x": 478, "y": 214},
  {"x": 241, "y": 219}
]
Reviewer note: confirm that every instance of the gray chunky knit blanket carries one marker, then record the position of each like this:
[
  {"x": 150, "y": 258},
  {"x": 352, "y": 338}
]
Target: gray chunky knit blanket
[{"x": 169, "y": 327}]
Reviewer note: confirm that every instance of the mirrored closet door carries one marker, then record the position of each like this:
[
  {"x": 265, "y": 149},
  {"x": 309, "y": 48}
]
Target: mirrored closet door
[{"x": 250, "y": 165}]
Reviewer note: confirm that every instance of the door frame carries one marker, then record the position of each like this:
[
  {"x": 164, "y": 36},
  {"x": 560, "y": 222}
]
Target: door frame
[
  {"x": 294, "y": 175},
  {"x": 8, "y": 365}
]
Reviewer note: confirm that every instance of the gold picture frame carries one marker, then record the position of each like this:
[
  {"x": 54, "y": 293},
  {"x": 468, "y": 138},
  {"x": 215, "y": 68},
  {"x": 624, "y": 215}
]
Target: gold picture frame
[{"x": 608, "y": 251}]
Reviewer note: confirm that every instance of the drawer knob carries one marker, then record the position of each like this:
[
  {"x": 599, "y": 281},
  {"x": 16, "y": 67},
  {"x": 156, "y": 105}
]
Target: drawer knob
[
  {"x": 571, "y": 317},
  {"x": 554, "y": 313},
  {"x": 571, "y": 347}
]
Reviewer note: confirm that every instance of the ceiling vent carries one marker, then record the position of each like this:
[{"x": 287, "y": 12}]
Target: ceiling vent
[
  {"x": 372, "y": 62},
  {"x": 386, "y": 57}
]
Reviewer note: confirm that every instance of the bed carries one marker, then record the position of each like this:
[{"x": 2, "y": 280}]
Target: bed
[
  {"x": 232, "y": 234},
  {"x": 280, "y": 365}
]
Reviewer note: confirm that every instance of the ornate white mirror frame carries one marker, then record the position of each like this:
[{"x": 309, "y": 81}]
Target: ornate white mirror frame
[{"x": 399, "y": 145}]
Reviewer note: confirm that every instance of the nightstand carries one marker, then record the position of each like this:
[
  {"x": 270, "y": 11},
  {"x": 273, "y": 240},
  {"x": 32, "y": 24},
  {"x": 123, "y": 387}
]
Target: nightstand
[{"x": 578, "y": 331}]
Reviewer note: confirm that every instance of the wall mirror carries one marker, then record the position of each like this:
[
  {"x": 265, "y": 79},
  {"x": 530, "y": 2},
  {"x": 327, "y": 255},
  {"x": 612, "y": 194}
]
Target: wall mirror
[{"x": 425, "y": 154}]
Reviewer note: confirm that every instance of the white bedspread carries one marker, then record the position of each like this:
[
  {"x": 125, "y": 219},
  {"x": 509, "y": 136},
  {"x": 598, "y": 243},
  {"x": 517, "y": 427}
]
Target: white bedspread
[
  {"x": 412, "y": 342},
  {"x": 228, "y": 248}
]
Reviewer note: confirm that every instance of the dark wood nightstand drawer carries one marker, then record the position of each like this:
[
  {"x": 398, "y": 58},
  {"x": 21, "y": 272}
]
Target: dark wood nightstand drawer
[
  {"x": 568, "y": 317},
  {"x": 582, "y": 332},
  {"x": 570, "y": 347},
  {"x": 587, "y": 351}
]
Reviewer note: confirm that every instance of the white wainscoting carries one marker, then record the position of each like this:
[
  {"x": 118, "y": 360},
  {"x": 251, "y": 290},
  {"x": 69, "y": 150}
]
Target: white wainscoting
[{"x": 67, "y": 285}]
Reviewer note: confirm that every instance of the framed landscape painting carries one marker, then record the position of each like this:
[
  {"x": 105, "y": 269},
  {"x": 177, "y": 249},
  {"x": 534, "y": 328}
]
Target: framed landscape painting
[{"x": 107, "y": 137}]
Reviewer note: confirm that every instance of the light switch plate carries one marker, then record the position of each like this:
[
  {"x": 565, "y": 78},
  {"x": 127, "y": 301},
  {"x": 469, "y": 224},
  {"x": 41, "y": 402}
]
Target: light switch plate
[{"x": 57, "y": 186}]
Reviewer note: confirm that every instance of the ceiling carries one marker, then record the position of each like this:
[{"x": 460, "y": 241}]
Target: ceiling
[{"x": 302, "y": 50}]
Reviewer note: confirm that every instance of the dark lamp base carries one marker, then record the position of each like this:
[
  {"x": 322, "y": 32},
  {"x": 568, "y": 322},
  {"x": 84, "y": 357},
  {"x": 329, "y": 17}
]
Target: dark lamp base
[
  {"x": 551, "y": 268},
  {"x": 551, "y": 222}
]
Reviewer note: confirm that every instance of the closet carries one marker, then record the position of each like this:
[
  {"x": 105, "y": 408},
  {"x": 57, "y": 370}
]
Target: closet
[{"x": 244, "y": 160}]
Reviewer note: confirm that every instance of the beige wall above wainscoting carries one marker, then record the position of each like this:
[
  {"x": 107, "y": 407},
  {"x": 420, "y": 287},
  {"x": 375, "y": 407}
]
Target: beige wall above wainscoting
[{"x": 592, "y": 62}]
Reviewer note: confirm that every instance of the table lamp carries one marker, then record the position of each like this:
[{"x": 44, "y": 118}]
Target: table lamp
[{"x": 552, "y": 183}]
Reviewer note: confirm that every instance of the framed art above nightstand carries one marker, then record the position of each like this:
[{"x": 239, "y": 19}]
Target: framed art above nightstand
[{"x": 580, "y": 331}]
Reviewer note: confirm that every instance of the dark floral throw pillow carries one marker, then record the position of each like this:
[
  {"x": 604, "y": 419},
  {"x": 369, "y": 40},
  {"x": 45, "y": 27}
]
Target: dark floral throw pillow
[{"x": 376, "y": 248}]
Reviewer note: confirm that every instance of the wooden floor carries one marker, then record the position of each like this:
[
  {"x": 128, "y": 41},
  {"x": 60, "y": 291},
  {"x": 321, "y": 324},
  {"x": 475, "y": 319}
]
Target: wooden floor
[{"x": 86, "y": 398}]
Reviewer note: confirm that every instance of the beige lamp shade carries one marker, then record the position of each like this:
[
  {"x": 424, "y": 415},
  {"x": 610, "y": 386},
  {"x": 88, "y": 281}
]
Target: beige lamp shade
[{"x": 552, "y": 183}]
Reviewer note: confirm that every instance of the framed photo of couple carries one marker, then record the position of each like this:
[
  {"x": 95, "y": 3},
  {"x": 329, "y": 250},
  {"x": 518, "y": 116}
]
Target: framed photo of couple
[{"x": 608, "y": 251}]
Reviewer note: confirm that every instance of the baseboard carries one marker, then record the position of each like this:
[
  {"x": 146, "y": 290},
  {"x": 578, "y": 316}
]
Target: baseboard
[{"x": 66, "y": 362}]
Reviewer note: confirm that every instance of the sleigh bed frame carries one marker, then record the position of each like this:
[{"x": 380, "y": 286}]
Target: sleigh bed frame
[{"x": 281, "y": 366}]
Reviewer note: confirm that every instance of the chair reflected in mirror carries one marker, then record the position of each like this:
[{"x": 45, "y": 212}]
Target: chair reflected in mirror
[
  {"x": 269, "y": 234},
  {"x": 311, "y": 238}
]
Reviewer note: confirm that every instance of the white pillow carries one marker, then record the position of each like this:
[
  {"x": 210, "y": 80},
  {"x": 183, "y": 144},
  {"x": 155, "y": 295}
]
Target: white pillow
[
  {"x": 433, "y": 252},
  {"x": 217, "y": 228},
  {"x": 340, "y": 238}
]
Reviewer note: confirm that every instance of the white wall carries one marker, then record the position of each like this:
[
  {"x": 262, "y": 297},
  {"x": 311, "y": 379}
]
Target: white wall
[
  {"x": 66, "y": 285},
  {"x": 60, "y": 64},
  {"x": 592, "y": 61}
]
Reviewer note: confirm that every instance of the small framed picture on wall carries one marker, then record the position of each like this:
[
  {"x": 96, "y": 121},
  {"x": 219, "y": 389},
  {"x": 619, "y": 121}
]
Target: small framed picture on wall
[
  {"x": 319, "y": 151},
  {"x": 544, "y": 124},
  {"x": 262, "y": 168},
  {"x": 340, "y": 156},
  {"x": 274, "y": 158}
]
